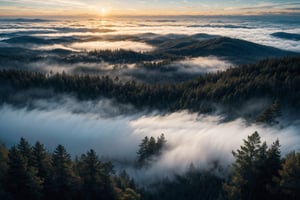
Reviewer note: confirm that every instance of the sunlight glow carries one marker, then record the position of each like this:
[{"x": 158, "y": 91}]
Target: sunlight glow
[{"x": 103, "y": 11}]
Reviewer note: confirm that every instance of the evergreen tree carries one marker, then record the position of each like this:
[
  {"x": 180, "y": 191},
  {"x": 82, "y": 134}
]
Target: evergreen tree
[
  {"x": 42, "y": 163},
  {"x": 254, "y": 169},
  {"x": 143, "y": 148},
  {"x": 289, "y": 181},
  {"x": 63, "y": 174},
  {"x": 26, "y": 151},
  {"x": 270, "y": 114},
  {"x": 21, "y": 180},
  {"x": 161, "y": 141},
  {"x": 94, "y": 177},
  {"x": 3, "y": 169}
]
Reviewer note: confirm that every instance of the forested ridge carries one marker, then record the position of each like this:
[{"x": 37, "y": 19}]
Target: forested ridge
[
  {"x": 258, "y": 172},
  {"x": 274, "y": 79}
]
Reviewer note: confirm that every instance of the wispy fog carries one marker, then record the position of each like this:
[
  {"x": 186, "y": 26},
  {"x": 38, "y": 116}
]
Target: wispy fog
[
  {"x": 54, "y": 46},
  {"x": 103, "y": 45},
  {"x": 104, "y": 126},
  {"x": 202, "y": 65}
]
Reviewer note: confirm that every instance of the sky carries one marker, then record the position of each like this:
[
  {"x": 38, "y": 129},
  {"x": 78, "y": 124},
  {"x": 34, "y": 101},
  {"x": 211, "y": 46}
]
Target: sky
[{"x": 146, "y": 7}]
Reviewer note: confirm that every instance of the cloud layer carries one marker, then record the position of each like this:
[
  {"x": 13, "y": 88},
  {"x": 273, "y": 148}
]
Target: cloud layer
[{"x": 105, "y": 127}]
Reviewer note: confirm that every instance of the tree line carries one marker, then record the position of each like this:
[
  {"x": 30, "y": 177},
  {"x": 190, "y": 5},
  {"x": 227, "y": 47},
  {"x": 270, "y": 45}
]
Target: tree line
[
  {"x": 31, "y": 172},
  {"x": 274, "y": 79},
  {"x": 258, "y": 172}
]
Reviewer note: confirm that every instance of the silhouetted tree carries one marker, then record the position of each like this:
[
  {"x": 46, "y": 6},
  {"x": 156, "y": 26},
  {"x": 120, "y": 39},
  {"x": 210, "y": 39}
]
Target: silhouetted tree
[
  {"x": 21, "y": 180},
  {"x": 42, "y": 163},
  {"x": 254, "y": 169},
  {"x": 63, "y": 174}
]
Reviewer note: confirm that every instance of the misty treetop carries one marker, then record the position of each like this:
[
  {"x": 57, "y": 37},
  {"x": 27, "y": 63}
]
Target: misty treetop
[
  {"x": 258, "y": 172},
  {"x": 149, "y": 148},
  {"x": 273, "y": 79}
]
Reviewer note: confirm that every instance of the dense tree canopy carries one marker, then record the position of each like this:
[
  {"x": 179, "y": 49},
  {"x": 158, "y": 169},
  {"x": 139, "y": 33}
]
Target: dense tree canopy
[
  {"x": 57, "y": 176},
  {"x": 258, "y": 172},
  {"x": 277, "y": 79}
]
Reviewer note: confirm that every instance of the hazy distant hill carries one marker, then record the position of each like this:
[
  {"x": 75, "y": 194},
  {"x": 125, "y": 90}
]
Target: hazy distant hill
[
  {"x": 20, "y": 20},
  {"x": 287, "y": 36},
  {"x": 235, "y": 50},
  {"x": 170, "y": 46}
]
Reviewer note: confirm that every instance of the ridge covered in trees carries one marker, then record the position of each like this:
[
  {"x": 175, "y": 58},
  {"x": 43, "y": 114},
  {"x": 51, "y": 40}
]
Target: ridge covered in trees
[
  {"x": 273, "y": 79},
  {"x": 258, "y": 172}
]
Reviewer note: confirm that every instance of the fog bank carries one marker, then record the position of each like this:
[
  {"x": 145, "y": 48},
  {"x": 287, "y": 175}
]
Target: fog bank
[{"x": 191, "y": 138}]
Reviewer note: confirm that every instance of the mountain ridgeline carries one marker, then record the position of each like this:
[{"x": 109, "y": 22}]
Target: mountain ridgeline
[
  {"x": 170, "y": 46},
  {"x": 271, "y": 79}
]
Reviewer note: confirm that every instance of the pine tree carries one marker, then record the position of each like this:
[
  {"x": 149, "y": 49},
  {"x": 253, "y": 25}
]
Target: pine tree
[
  {"x": 143, "y": 148},
  {"x": 161, "y": 141},
  {"x": 289, "y": 180},
  {"x": 253, "y": 170},
  {"x": 26, "y": 151},
  {"x": 21, "y": 177},
  {"x": 63, "y": 174},
  {"x": 92, "y": 175},
  {"x": 42, "y": 163}
]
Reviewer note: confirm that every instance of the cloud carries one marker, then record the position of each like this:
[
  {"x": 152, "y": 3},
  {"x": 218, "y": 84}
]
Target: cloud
[
  {"x": 101, "y": 125},
  {"x": 103, "y": 45},
  {"x": 201, "y": 65},
  {"x": 251, "y": 28}
]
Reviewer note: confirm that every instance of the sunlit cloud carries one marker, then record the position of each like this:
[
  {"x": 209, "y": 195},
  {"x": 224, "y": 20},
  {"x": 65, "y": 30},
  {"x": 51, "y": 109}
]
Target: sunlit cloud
[
  {"x": 103, "y": 45},
  {"x": 138, "y": 7}
]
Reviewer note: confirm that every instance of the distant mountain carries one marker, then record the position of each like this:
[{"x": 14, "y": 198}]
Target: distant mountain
[
  {"x": 24, "y": 20},
  {"x": 27, "y": 40},
  {"x": 287, "y": 36},
  {"x": 167, "y": 47},
  {"x": 236, "y": 50},
  {"x": 39, "y": 41}
]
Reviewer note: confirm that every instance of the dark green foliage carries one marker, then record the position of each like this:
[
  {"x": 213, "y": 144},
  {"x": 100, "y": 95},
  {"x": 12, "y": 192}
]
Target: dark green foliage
[
  {"x": 149, "y": 148},
  {"x": 289, "y": 181},
  {"x": 194, "y": 185},
  {"x": 123, "y": 181},
  {"x": 95, "y": 178},
  {"x": 21, "y": 180},
  {"x": 56, "y": 176},
  {"x": 117, "y": 56},
  {"x": 270, "y": 114},
  {"x": 42, "y": 163},
  {"x": 254, "y": 169},
  {"x": 63, "y": 174},
  {"x": 258, "y": 173},
  {"x": 3, "y": 160},
  {"x": 3, "y": 169},
  {"x": 268, "y": 79},
  {"x": 130, "y": 194}
]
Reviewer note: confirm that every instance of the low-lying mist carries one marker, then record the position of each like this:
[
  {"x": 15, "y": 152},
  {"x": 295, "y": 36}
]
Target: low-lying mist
[
  {"x": 202, "y": 65},
  {"x": 104, "y": 126}
]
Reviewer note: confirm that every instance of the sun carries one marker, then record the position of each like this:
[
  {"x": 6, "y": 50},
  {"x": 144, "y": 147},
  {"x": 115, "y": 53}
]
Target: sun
[{"x": 103, "y": 11}]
